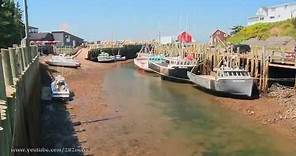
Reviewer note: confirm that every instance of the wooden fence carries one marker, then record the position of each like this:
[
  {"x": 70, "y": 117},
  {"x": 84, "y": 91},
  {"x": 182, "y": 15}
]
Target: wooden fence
[{"x": 19, "y": 99}]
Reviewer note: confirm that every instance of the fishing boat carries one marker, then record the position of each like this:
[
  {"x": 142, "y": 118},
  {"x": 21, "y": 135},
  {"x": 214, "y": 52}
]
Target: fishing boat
[
  {"x": 173, "y": 68},
  {"x": 227, "y": 80},
  {"x": 59, "y": 88},
  {"x": 63, "y": 61},
  {"x": 105, "y": 58},
  {"x": 118, "y": 57},
  {"x": 141, "y": 61}
]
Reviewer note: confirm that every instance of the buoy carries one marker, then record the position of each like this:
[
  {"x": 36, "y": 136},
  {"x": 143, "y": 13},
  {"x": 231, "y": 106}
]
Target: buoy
[{"x": 1, "y": 129}]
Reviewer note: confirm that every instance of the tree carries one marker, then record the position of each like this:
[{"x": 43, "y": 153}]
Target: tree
[
  {"x": 11, "y": 26},
  {"x": 236, "y": 29}
]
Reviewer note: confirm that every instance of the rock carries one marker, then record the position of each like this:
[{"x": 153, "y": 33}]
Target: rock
[{"x": 281, "y": 117}]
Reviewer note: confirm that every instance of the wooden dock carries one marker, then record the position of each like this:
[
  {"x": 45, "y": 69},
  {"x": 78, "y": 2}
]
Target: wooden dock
[{"x": 258, "y": 62}]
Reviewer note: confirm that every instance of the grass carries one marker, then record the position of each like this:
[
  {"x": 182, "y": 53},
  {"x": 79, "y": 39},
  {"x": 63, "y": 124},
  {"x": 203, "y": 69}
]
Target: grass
[{"x": 263, "y": 31}]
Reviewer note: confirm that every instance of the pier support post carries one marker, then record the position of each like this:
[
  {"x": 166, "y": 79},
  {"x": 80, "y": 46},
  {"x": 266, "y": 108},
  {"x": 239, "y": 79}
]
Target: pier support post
[
  {"x": 19, "y": 62},
  {"x": 6, "y": 67},
  {"x": 13, "y": 60},
  {"x": 23, "y": 56},
  {"x": 2, "y": 83}
]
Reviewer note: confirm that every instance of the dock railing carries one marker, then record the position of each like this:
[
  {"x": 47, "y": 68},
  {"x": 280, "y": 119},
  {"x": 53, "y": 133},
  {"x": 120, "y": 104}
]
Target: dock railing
[{"x": 19, "y": 99}]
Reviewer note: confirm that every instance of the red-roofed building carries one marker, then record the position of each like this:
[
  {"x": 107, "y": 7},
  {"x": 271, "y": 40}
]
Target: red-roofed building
[
  {"x": 185, "y": 37},
  {"x": 218, "y": 37}
]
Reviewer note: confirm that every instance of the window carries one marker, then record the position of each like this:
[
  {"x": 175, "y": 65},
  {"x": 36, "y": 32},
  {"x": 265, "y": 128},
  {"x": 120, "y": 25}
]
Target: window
[{"x": 271, "y": 17}]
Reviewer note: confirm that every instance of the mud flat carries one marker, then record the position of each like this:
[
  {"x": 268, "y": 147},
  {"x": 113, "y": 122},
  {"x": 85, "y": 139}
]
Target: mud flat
[
  {"x": 276, "y": 110},
  {"x": 118, "y": 110}
]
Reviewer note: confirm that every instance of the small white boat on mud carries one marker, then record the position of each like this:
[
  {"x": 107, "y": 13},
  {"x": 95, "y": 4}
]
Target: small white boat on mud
[
  {"x": 120, "y": 58},
  {"x": 60, "y": 89},
  {"x": 173, "y": 68},
  {"x": 105, "y": 58},
  {"x": 227, "y": 80},
  {"x": 63, "y": 61}
]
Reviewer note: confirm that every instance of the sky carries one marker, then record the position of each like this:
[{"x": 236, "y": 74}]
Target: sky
[{"x": 141, "y": 19}]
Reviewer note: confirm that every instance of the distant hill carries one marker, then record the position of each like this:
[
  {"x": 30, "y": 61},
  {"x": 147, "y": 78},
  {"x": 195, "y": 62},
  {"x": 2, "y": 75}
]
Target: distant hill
[{"x": 263, "y": 31}]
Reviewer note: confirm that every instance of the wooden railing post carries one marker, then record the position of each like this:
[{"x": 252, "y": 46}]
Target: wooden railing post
[
  {"x": 6, "y": 67},
  {"x": 23, "y": 57},
  {"x": 19, "y": 62},
  {"x": 13, "y": 60},
  {"x": 2, "y": 83}
]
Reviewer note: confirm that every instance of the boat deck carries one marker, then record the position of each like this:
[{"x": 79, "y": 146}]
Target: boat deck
[{"x": 210, "y": 77}]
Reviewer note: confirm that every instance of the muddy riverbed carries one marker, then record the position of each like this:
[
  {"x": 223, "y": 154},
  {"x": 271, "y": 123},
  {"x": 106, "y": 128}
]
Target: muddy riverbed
[{"x": 136, "y": 113}]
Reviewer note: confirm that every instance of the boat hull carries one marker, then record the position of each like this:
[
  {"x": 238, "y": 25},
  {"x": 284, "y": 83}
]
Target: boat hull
[
  {"x": 64, "y": 64},
  {"x": 175, "y": 74},
  {"x": 240, "y": 87},
  {"x": 142, "y": 64},
  {"x": 106, "y": 61}
]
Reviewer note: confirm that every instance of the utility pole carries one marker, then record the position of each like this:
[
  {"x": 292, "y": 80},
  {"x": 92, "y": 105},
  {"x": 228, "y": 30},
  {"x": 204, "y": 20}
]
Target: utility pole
[{"x": 25, "y": 41}]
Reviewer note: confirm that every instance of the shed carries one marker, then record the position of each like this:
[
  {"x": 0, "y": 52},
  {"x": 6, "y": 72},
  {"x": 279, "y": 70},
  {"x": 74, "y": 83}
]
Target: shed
[{"x": 185, "y": 37}]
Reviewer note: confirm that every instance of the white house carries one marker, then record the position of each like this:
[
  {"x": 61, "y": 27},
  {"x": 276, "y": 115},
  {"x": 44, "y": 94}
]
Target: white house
[
  {"x": 274, "y": 13},
  {"x": 167, "y": 39}
]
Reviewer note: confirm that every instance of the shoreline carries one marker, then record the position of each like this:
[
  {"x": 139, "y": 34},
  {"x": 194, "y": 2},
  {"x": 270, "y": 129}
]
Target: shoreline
[
  {"x": 89, "y": 104},
  {"x": 264, "y": 111}
]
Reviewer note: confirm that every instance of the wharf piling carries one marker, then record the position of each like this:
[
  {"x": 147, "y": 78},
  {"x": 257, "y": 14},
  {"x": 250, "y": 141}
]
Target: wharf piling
[{"x": 258, "y": 61}]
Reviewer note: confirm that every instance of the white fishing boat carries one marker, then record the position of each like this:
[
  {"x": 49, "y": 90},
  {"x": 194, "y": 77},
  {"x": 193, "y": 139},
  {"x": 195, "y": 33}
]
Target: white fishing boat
[
  {"x": 120, "y": 58},
  {"x": 141, "y": 61},
  {"x": 59, "y": 88},
  {"x": 227, "y": 80},
  {"x": 61, "y": 56},
  {"x": 105, "y": 58},
  {"x": 173, "y": 68},
  {"x": 63, "y": 61}
]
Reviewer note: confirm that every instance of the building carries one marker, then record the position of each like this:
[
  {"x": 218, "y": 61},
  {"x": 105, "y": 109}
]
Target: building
[
  {"x": 185, "y": 37},
  {"x": 67, "y": 39},
  {"x": 33, "y": 30},
  {"x": 167, "y": 40},
  {"x": 218, "y": 37},
  {"x": 274, "y": 13},
  {"x": 41, "y": 37}
]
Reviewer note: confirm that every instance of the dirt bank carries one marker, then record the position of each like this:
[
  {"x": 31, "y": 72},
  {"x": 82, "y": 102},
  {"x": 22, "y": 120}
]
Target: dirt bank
[{"x": 271, "y": 110}]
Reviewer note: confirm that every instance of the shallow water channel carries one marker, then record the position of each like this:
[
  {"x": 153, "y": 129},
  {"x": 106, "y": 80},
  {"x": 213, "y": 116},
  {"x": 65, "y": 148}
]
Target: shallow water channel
[{"x": 167, "y": 118}]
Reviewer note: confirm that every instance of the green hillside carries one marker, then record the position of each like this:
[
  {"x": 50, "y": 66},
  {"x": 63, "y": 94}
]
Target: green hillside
[{"x": 265, "y": 30}]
